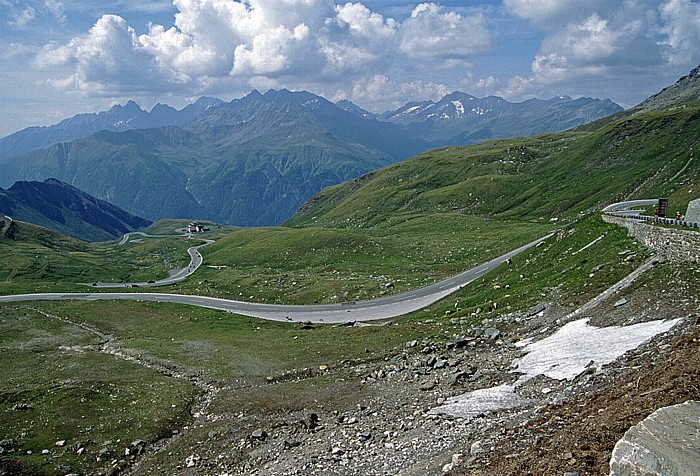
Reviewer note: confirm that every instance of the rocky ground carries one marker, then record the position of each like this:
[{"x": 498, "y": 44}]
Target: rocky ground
[
  {"x": 568, "y": 428},
  {"x": 385, "y": 420}
]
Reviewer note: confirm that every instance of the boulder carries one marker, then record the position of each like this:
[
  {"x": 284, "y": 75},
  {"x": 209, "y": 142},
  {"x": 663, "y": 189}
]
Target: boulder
[{"x": 667, "y": 442}]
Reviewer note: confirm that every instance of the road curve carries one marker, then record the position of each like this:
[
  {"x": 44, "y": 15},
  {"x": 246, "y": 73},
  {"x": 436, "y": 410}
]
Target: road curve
[
  {"x": 627, "y": 208},
  {"x": 175, "y": 276},
  {"x": 371, "y": 310}
]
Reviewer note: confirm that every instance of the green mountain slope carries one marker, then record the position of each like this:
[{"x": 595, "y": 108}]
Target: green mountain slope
[
  {"x": 534, "y": 178},
  {"x": 63, "y": 208},
  {"x": 37, "y": 259}
]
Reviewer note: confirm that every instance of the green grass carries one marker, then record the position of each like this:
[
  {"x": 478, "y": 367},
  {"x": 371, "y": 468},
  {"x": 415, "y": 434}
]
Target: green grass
[
  {"x": 266, "y": 369},
  {"x": 41, "y": 260},
  {"x": 323, "y": 265},
  {"x": 534, "y": 178},
  {"x": 77, "y": 394},
  {"x": 228, "y": 347},
  {"x": 577, "y": 264}
]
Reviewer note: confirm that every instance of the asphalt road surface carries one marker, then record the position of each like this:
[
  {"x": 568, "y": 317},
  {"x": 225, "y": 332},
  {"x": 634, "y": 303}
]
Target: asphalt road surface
[
  {"x": 360, "y": 311},
  {"x": 628, "y": 208},
  {"x": 175, "y": 276}
]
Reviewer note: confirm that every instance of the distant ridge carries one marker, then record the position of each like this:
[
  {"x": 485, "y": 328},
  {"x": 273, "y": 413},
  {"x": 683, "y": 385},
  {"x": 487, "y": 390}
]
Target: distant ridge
[
  {"x": 255, "y": 160},
  {"x": 60, "y": 207},
  {"x": 633, "y": 154},
  {"x": 117, "y": 119}
]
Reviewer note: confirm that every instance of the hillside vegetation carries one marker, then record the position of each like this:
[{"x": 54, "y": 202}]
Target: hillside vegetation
[
  {"x": 37, "y": 259},
  {"x": 158, "y": 388},
  {"x": 534, "y": 178},
  {"x": 65, "y": 209}
]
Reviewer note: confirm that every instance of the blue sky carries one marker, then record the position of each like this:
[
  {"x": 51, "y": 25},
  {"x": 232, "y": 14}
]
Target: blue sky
[{"x": 63, "y": 57}]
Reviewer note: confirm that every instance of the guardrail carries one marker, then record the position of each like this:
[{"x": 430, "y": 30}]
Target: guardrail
[{"x": 664, "y": 221}]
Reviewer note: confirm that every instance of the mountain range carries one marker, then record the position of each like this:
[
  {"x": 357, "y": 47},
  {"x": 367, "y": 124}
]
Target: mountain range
[
  {"x": 255, "y": 160},
  {"x": 645, "y": 152},
  {"x": 63, "y": 208}
]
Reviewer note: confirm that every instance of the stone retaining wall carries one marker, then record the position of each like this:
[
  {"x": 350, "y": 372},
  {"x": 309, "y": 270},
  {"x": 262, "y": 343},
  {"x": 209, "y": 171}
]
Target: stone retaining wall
[{"x": 683, "y": 245}]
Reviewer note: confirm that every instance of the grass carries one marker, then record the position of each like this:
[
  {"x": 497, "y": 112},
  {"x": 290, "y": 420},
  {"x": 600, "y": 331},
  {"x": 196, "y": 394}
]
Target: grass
[
  {"x": 227, "y": 347},
  {"x": 264, "y": 369},
  {"x": 41, "y": 260},
  {"x": 100, "y": 402},
  {"x": 73, "y": 392},
  {"x": 536, "y": 178},
  {"x": 581, "y": 261},
  {"x": 396, "y": 229},
  {"x": 324, "y": 265}
]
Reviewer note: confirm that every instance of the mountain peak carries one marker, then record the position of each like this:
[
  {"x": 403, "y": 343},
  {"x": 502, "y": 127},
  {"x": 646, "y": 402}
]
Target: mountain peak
[
  {"x": 685, "y": 90},
  {"x": 66, "y": 209}
]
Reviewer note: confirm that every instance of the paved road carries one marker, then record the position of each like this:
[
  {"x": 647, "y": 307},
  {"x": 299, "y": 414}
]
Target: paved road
[
  {"x": 175, "y": 276},
  {"x": 627, "y": 208},
  {"x": 375, "y": 309}
]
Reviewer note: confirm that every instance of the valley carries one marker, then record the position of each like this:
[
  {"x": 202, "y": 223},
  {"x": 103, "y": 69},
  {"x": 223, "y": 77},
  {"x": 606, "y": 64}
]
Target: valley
[{"x": 136, "y": 387}]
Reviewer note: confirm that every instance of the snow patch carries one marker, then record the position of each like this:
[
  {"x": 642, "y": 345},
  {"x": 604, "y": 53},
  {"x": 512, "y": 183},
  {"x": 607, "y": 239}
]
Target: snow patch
[
  {"x": 567, "y": 353},
  {"x": 459, "y": 107},
  {"x": 562, "y": 356},
  {"x": 476, "y": 403}
]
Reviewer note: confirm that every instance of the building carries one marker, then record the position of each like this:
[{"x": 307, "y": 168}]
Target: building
[{"x": 195, "y": 227}]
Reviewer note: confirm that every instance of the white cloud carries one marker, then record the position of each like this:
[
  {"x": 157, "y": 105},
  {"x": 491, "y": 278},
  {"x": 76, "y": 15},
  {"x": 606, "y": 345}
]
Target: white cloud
[
  {"x": 392, "y": 93},
  {"x": 431, "y": 32},
  {"x": 682, "y": 28},
  {"x": 109, "y": 59},
  {"x": 55, "y": 8},
  {"x": 22, "y": 18},
  {"x": 289, "y": 43},
  {"x": 588, "y": 43},
  {"x": 365, "y": 23},
  {"x": 270, "y": 51}
]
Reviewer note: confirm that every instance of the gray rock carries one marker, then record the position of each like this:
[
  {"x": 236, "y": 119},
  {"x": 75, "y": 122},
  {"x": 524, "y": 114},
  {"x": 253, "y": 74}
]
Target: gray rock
[
  {"x": 536, "y": 309},
  {"x": 259, "y": 434},
  {"x": 621, "y": 302},
  {"x": 692, "y": 214},
  {"x": 287, "y": 445},
  {"x": 667, "y": 442},
  {"x": 439, "y": 364},
  {"x": 492, "y": 333}
]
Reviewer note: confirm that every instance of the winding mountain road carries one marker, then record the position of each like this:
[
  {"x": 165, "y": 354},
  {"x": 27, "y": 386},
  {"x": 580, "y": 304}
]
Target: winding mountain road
[
  {"x": 371, "y": 310},
  {"x": 175, "y": 276}
]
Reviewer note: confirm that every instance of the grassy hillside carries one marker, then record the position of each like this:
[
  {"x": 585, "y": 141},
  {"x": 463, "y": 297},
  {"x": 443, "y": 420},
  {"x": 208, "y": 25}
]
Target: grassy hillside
[
  {"x": 93, "y": 373},
  {"x": 38, "y": 259},
  {"x": 533, "y": 178},
  {"x": 324, "y": 265}
]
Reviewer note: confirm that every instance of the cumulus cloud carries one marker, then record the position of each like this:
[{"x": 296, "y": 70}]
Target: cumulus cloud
[
  {"x": 99, "y": 60},
  {"x": 682, "y": 29},
  {"x": 263, "y": 42},
  {"x": 432, "y": 32},
  {"x": 596, "y": 41}
]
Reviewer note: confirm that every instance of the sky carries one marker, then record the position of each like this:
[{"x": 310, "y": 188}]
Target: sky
[{"x": 59, "y": 58}]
